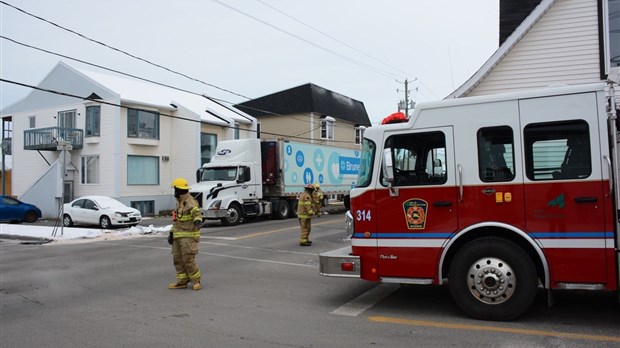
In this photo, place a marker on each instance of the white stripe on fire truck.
(438, 243)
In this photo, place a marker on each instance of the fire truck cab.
(494, 195)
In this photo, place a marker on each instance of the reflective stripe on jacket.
(187, 211)
(304, 206)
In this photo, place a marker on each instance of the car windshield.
(107, 202)
(219, 174)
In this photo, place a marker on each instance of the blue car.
(13, 210)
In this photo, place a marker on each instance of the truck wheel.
(233, 215)
(292, 212)
(282, 210)
(493, 279)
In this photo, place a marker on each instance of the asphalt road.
(262, 290)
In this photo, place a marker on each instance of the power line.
(65, 94)
(333, 38)
(367, 66)
(122, 51)
(216, 100)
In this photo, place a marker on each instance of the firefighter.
(305, 213)
(184, 237)
(317, 200)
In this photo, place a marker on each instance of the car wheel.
(30, 217)
(66, 220)
(105, 222)
(493, 279)
(233, 215)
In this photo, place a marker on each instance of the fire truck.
(495, 196)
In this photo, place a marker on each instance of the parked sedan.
(14, 210)
(99, 210)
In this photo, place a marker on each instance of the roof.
(503, 50)
(139, 92)
(308, 98)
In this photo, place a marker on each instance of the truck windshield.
(219, 174)
(366, 163)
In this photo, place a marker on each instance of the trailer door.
(419, 213)
(564, 188)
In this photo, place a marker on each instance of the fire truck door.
(419, 214)
(564, 193)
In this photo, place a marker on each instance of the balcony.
(46, 139)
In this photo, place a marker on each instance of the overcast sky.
(254, 48)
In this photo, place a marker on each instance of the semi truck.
(248, 178)
(496, 196)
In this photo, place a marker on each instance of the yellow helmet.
(316, 186)
(180, 183)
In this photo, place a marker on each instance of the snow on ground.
(75, 234)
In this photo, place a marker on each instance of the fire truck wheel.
(493, 279)
(233, 215)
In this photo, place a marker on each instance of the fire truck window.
(419, 158)
(496, 154)
(557, 150)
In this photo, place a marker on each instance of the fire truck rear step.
(580, 286)
(416, 281)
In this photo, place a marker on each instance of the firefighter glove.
(170, 238)
(198, 223)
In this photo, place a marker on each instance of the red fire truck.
(496, 196)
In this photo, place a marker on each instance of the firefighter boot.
(177, 286)
(196, 286)
(305, 243)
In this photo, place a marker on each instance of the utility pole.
(406, 103)
(64, 146)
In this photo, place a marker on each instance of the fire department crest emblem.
(415, 213)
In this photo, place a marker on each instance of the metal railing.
(46, 139)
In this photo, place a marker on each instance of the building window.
(236, 131)
(145, 207)
(89, 170)
(32, 121)
(327, 128)
(93, 116)
(142, 124)
(496, 154)
(359, 135)
(557, 150)
(142, 170)
(66, 122)
(208, 143)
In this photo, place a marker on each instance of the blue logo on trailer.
(349, 165)
(289, 150)
(321, 178)
(308, 176)
(294, 177)
(299, 159)
(319, 159)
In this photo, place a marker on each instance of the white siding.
(562, 48)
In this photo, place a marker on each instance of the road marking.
(214, 254)
(259, 234)
(258, 248)
(366, 300)
(494, 329)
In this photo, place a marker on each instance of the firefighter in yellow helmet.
(184, 237)
(317, 200)
(305, 213)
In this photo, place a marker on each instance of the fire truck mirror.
(388, 165)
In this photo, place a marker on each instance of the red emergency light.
(397, 117)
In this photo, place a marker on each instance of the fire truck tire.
(233, 215)
(282, 210)
(492, 279)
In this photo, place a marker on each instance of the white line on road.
(366, 300)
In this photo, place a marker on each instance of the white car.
(99, 210)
